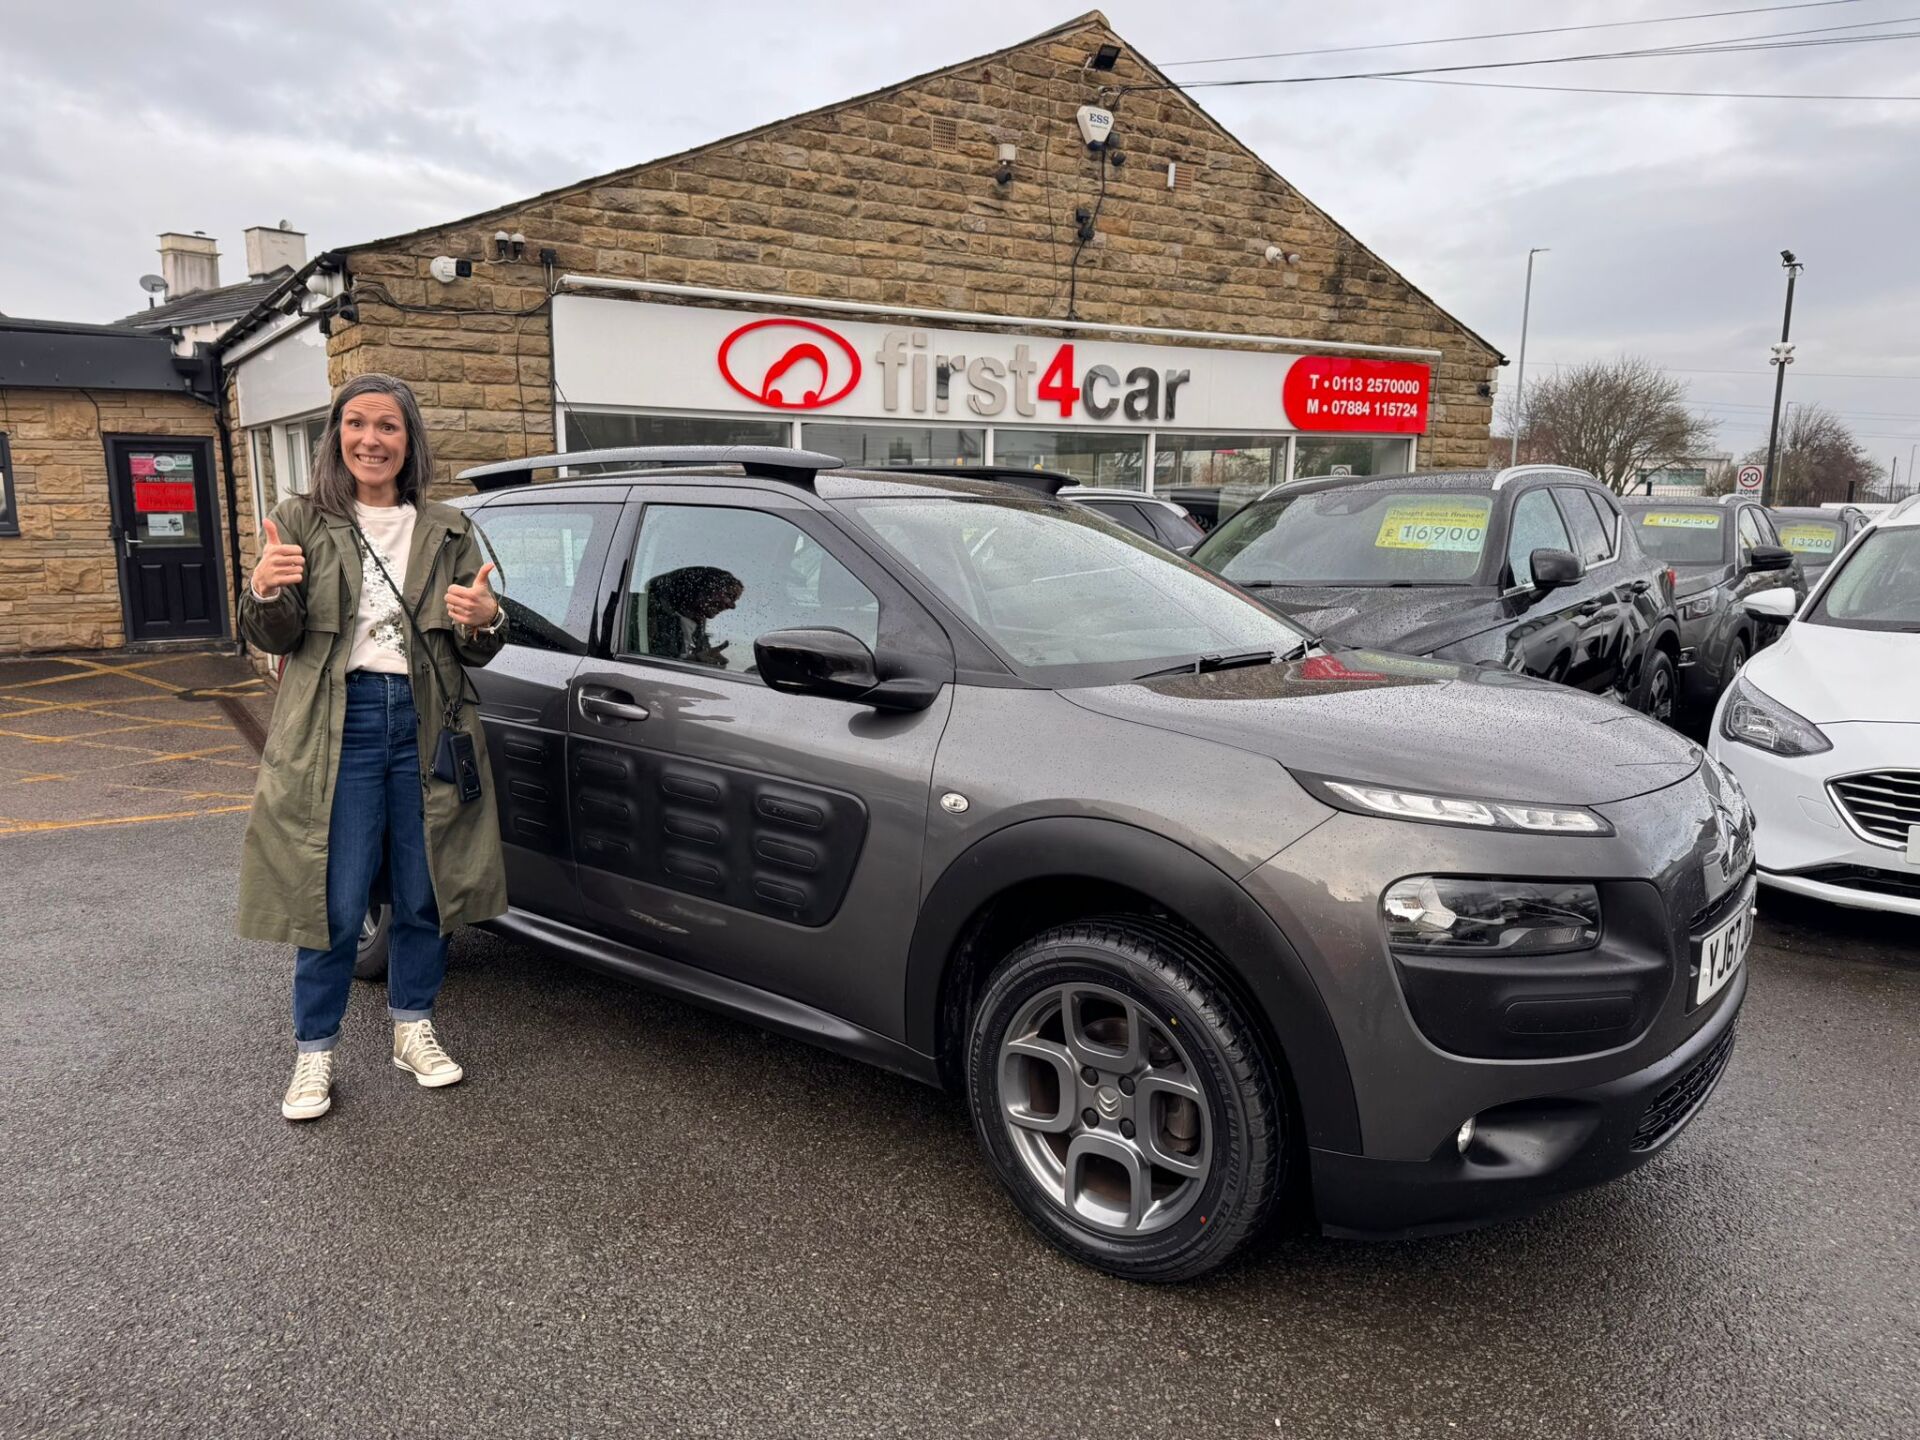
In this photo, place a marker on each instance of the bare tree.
(1818, 460)
(1612, 418)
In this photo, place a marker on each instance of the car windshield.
(1067, 595)
(1353, 537)
(1878, 587)
(1816, 540)
(1681, 536)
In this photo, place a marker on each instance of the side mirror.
(1553, 569)
(1776, 604)
(838, 666)
(1769, 557)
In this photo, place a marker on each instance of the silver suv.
(1207, 920)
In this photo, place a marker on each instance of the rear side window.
(1177, 530)
(1123, 512)
(1592, 536)
(547, 562)
(1536, 526)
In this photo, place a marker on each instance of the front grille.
(1864, 877)
(1672, 1106)
(1882, 805)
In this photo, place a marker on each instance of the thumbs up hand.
(473, 605)
(280, 563)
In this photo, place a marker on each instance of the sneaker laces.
(426, 1045)
(313, 1069)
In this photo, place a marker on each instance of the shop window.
(1092, 457)
(9, 509)
(302, 439)
(896, 444)
(709, 581)
(608, 430)
(1214, 475)
(1329, 455)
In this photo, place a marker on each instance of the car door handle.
(601, 705)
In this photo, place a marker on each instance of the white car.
(1822, 729)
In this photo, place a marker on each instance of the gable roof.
(1088, 20)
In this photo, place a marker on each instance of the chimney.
(270, 249)
(189, 263)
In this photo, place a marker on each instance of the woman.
(378, 596)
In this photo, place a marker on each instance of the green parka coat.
(283, 862)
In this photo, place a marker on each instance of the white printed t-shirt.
(380, 629)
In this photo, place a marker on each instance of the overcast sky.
(1665, 216)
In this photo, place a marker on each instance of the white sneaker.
(310, 1095)
(418, 1052)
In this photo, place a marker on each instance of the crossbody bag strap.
(452, 715)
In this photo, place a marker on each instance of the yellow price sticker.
(1680, 519)
(1452, 525)
(1809, 539)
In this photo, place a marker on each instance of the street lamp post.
(1520, 379)
(1782, 357)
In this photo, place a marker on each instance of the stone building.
(942, 269)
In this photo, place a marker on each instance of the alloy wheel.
(1104, 1109)
(1660, 694)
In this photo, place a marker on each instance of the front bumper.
(1528, 1153)
(1804, 844)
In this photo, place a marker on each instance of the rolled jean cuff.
(307, 1047)
(404, 1017)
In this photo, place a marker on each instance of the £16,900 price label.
(1434, 525)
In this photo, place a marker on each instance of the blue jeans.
(376, 810)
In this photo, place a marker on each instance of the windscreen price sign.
(1749, 479)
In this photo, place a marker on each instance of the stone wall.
(59, 579)
(890, 198)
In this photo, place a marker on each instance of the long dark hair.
(332, 490)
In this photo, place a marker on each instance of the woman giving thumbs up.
(375, 764)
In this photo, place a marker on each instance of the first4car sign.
(687, 358)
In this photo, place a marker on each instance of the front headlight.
(1755, 718)
(1698, 608)
(1458, 809)
(1490, 917)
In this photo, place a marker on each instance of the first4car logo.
(790, 364)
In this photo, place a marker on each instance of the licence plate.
(1723, 951)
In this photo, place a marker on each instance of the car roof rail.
(1901, 507)
(1516, 472)
(1046, 482)
(766, 462)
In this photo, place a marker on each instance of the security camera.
(446, 269)
(1786, 258)
(1277, 256)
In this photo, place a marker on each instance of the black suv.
(1528, 569)
(1721, 551)
(969, 782)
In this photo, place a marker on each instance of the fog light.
(1464, 1136)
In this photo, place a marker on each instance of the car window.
(1123, 512)
(1681, 536)
(1350, 536)
(546, 565)
(1592, 535)
(1066, 594)
(710, 580)
(1817, 540)
(1878, 587)
(1176, 530)
(1763, 522)
(1536, 526)
(1749, 529)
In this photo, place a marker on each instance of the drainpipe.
(220, 421)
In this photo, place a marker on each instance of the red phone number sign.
(1371, 397)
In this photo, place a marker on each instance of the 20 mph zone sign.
(1749, 479)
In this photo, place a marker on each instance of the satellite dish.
(153, 284)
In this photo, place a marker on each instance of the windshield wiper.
(1204, 664)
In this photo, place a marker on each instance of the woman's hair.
(332, 490)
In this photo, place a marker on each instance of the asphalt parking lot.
(636, 1218)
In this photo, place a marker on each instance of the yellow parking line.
(40, 826)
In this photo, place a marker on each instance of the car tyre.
(1107, 1039)
(371, 961)
(1662, 689)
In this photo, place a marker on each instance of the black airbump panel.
(731, 836)
(529, 783)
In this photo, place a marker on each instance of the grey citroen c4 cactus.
(1207, 920)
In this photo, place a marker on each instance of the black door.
(1546, 637)
(1598, 604)
(167, 528)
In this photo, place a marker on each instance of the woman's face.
(373, 439)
